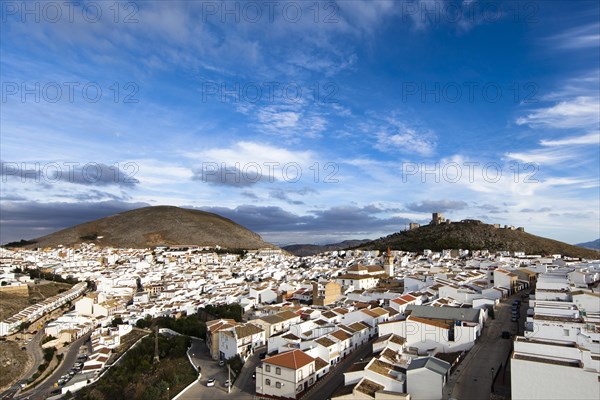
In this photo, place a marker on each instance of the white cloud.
(581, 112)
(578, 38)
(252, 152)
(548, 156)
(394, 135)
(590, 138)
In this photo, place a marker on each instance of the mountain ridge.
(592, 245)
(475, 235)
(154, 226)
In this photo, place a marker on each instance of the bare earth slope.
(155, 226)
(476, 237)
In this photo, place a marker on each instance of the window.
(278, 371)
(565, 332)
(311, 369)
(278, 385)
(311, 381)
(268, 368)
(268, 382)
(299, 389)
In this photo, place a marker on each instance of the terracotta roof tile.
(294, 359)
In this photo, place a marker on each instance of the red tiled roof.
(294, 359)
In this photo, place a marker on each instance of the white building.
(240, 340)
(285, 375)
(426, 378)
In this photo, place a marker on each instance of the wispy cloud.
(437, 205)
(581, 37)
(392, 134)
(590, 138)
(581, 112)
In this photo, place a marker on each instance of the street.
(325, 387)
(210, 369)
(472, 379)
(42, 391)
(244, 385)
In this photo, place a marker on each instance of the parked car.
(210, 382)
(513, 318)
(221, 363)
(227, 383)
(505, 335)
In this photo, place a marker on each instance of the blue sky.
(306, 122)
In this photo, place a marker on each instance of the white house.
(240, 340)
(285, 375)
(426, 378)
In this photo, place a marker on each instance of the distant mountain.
(475, 236)
(594, 245)
(155, 226)
(302, 250)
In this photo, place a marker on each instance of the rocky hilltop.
(475, 235)
(156, 226)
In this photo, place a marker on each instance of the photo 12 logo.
(253, 12)
(69, 171)
(70, 92)
(467, 12)
(469, 92)
(244, 174)
(453, 172)
(53, 12)
(255, 92)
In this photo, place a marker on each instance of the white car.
(210, 382)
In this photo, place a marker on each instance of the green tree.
(236, 363)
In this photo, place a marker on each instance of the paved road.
(35, 349)
(472, 380)
(245, 386)
(43, 390)
(324, 388)
(210, 369)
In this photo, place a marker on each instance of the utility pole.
(229, 376)
(156, 357)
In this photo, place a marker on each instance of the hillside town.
(418, 314)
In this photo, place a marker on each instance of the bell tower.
(388, 263)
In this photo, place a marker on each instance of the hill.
(593, 245)
(302, 250)
(475, 236)
(155, 226)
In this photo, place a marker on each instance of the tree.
(236, 363)
(144, 323)
(117, 321)
(24, 325)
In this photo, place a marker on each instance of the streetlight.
(168, 393)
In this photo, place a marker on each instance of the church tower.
(388, 263)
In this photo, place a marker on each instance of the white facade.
(274, 378)
(424, 384)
